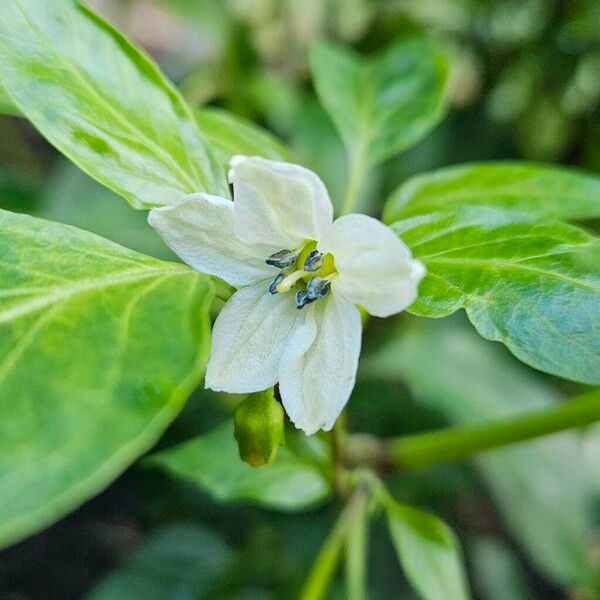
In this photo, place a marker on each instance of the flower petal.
(199, 229)
(248, 340)
(318, 369)
(278, 203)
(375, 268)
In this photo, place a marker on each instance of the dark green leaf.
(179, 562)
(296, 479)
(102, 102)
(546, 191)
(383, 104)
(99, 348)
(428, 552)
(534, 286)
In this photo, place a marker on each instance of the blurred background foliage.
(525, 83)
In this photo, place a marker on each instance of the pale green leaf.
(99, 348)
(428, 552)
(178, 562)
(497, 571)
(102, 102)
(230, 134)
(471, 381)
(547, 191)
(534, 286)
(383, 104)
(296, 479)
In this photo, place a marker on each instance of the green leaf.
(99, 348)
(534, 286)
(182, 561)
(428, 552)
(7, 106)
(546, 191)
(73, 198)
(102, 102)
(383, 104)
(296, 479)
(229, 134)
(471, 381)
(497, 571)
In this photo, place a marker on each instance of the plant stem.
(357, 543)
(461, 442)
(357, 169)
(317, 583)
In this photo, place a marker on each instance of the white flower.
(278, 244)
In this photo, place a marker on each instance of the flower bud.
(258, 430)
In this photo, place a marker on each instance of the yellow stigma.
(327, 269)
(286, 284)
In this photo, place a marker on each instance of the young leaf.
(546, 191)
(296, 479)
(383, 104)
(99, 348)
(468, 380)
(534, 286)
(229, 134)
(428, 552)
(102, 102)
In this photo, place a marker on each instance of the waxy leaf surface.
(546, 191)
(99, 349)
(532, 285)
(102, 102)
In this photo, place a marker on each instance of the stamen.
(273, 285)
(282, 259)
(286, 284)
(317, 287)
(314, 261)
(302, 299)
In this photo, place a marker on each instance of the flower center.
(306, 270)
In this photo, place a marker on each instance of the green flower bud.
(258, 430)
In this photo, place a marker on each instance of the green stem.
(317, 583)
(357, 170)
(357, 543)
(461, 442)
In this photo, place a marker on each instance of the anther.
(317, 287)
(273, 285)
(282, 259)
(302, 299)
(314, 261)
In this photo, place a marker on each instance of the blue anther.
(316, 288)
(282, 259)
(302, 299)
(314, 261)
(273, 285)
